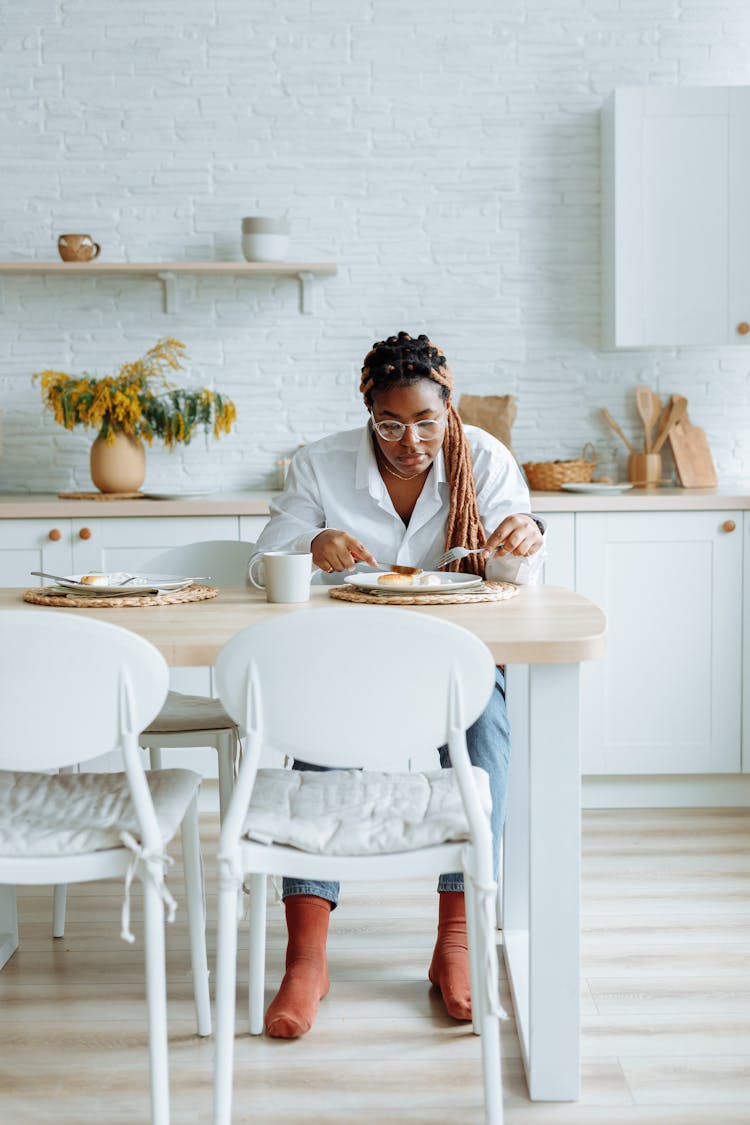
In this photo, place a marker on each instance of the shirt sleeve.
(297, 515)
(501, 492)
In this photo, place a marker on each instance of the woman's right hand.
(334, 550)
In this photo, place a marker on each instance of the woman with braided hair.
(401, 489)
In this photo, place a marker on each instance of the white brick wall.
(444, 155)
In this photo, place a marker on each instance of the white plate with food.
(596, 488)
(424, 582)
(97, 584)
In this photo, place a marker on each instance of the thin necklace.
(384, 464)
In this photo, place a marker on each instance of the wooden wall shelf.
(167, 272)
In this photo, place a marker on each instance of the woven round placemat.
(50, 595)
(487, 592)
(101, 496)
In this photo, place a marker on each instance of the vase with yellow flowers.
(134, 406)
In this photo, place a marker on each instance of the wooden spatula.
(673, 412)
(611, 422)
(648, 407)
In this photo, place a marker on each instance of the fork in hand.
(454, 554)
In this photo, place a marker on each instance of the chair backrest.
(355, 685)
(61, 687)
(223, 560)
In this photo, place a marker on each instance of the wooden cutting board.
(692, 457)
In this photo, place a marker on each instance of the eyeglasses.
(425, 430)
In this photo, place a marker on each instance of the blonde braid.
(403, 360)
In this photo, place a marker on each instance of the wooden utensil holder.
(644, 469)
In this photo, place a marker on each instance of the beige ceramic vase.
(119, 466)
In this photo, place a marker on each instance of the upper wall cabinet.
(676, 217)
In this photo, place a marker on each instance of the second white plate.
(450, 581)
(595, 487)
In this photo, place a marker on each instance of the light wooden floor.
(666, 1002)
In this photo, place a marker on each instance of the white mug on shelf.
(286, 575)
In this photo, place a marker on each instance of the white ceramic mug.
(286, 575)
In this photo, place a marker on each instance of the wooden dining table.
(542, 635)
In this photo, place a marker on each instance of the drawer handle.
(55, 534)
(743, 328)
(84, 533)
(728, 525)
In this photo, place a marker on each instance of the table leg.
(541, 875)
(8, 923)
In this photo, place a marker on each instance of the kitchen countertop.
(41, 505)
(47, 505)
(734, 494)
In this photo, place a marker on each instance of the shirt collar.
(366, 473)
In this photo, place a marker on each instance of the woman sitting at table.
(401, 489)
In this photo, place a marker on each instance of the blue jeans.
(488, 743)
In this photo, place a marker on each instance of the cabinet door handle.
(728, 525)
(84, 533)
(743, 328)
(55, 534)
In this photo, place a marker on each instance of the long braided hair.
(401, 361)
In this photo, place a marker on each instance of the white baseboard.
(666, 791)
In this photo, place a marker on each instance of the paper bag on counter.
(493, 413)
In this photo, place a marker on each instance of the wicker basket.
(547, 476)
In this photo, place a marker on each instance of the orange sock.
(449, 969)
(305, 983)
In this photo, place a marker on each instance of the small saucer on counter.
(595, 487)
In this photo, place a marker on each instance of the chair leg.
(155, 758)
(8, 923)
(156, 997)
(59, 904)
(485, 997)
(492, 1069)
(60, 894)
(226, 975)
(475, 976)
(191, 857)
(225, 747)
(256, 978)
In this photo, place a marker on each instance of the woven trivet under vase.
(487, 592)
(50, 595)
(101, 496)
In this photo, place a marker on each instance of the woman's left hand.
(516, 535)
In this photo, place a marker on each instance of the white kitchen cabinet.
(112, 543)
(675, 219)
(251, 527)
(559, 545)
(69, 546)
(35, 544)
(746, 649)
(668, 697)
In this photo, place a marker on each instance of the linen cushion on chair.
(351, 812)
(55, 814)
(191, 712)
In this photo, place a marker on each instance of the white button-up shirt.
(335, 483)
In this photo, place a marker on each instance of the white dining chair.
(189, 720)
(354, 686)
(90, 687)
